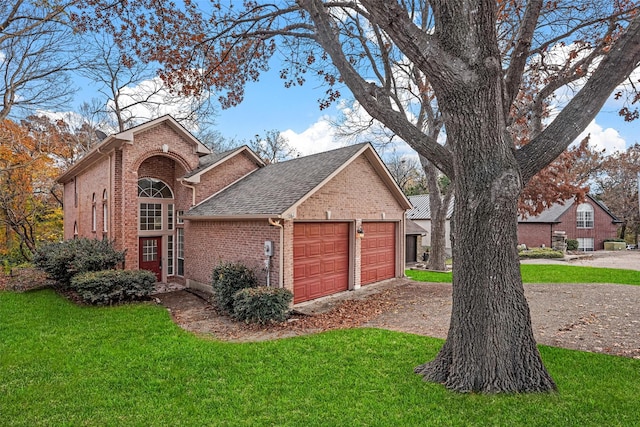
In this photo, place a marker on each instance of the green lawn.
(61, 364)
(549, 273)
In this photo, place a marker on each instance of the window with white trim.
(170, 255)
(585, 244)
(180, 251)
(150, 216)
(94, 213)
(584, 216)
(105, 212)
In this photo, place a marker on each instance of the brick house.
(316, 225)
(589, 222)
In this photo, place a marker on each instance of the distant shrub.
(113, 286)
(61, 261)
(227, 279)
(572, 245)
(615, 240)
(261, 304)
(541, 253)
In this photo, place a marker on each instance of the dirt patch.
(591, 317)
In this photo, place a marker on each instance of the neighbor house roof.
(277, 189)
(126, 137)
(554, 212)
(210, 161)
(422, 208)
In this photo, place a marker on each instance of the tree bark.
(490, 345)
(438, 206)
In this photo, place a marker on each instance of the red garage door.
(320, 259)
(378, 252)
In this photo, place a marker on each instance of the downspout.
(280, 248)
(193, 191)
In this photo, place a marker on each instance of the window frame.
(585, 216)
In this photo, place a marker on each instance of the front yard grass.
(549, 273)
(62, 364)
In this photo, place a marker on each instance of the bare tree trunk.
(438, 206)
(494, 351)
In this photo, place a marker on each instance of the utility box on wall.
(268, 248)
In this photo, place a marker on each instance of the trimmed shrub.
(61, 261)
(227, 279)
(262, 304)
(541, 253)
(113, 286)
(572, 245)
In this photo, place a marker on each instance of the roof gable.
(277, 189)
(211, 161)
(555, 212)
(117, 140)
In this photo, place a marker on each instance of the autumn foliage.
(30, 211)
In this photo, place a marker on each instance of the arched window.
(105, 211)
(94, 214)
(151, 187)
(584, 216)
(75, 229)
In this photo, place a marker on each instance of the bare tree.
(132, 93)
(36, 54)
(272, 147)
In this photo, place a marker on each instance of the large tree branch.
(419, 47)
(622, 59)
(520, 54)
(369, 95)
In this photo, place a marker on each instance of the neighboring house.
(316, 225)
(413, 237)
(420, 213)
(589, 222)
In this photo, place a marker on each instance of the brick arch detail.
(172, 155)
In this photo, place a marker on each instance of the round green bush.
(572, 245)
(227, 279)
(262, 304)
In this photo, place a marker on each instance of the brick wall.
(534, 235)
(78, 201)
(207, 243)
(355, 192)
(223, 175)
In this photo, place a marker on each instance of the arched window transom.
(151, 187)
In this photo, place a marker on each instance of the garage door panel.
(324, 267)
(378, 252)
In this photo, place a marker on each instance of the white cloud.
(317, 138)
(603, 139)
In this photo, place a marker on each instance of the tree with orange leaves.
(29, 208)
(478, 57)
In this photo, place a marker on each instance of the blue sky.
(295, 112)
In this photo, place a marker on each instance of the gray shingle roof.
(422, 207)
(555, 211)
(210, 159)
(273, 189)
(551, 214)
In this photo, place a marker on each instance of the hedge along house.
(316, 225)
